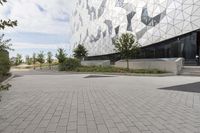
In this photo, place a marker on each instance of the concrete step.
(191, 68)
(191, 71)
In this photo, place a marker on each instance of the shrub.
(4, 63)
(18, 60)
(5, 87)
(41, 58)
(61, 66)
(69, 64)
(61, 55)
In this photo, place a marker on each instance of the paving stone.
(91, 124)
(102, 129)
(52, 127)
(18, 121)
(72, 126)
(23, 125)
(54, 102)
(44, 123)
(61, 129)
(92, 130)
(82, 129)
(110, 123)
(40, 130)
(113, 130)
(72, 131)
(134, 130)
(31, 128)
(54, 119)
(63, 122)
(9, 129)
(122, 127)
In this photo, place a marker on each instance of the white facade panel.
(96, 22)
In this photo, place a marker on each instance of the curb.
(126, 74)
(107, 73)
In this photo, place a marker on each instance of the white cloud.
(30, 48)
(21, 46)
(46, 17)
(31, 19)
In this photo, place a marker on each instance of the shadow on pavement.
(16, 76)
(97, 76)
(192, 87)
(21, 73)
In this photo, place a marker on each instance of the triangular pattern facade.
(96, 22)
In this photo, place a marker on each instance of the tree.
(80, 52)
(4, 56)
(4, 48)
(40, 59)
(61, 55)
(28, 60)
(49, 59)
(4, 63)
(18, 60)
(34, 60)
(6, 23)
(127, 46)
(5, 44)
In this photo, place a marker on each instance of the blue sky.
(43, 25)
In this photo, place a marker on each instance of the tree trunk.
(127, 61)
(49, 66)
(34, 66)
(40, 66)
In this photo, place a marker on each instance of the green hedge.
(4, 63)
(69, 64)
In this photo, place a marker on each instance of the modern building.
(164, 28)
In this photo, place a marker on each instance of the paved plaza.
(43, 102)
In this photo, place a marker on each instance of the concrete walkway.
(62, 103)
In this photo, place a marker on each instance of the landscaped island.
(74, 65)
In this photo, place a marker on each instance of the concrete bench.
(173, 65)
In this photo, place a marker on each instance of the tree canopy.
(61, 55)
(49, 57)
(80, 52)
(41, 58)
(6, 23)
(18, 59)
(5, 44)
(127, 46)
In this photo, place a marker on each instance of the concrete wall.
(96, 63)
(173, 65)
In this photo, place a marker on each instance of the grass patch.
(116, 70)
(4, 87)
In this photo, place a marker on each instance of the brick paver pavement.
(48, 103)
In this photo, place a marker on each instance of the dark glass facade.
(182, 46)
(186, 46)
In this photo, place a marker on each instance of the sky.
(43, 25)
